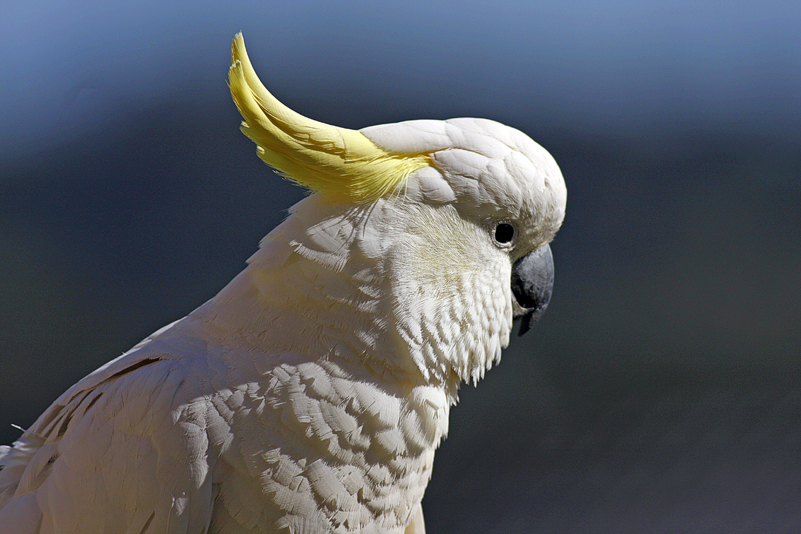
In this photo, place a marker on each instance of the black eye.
(504, 233)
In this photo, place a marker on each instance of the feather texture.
(339, 161)
(310, 394)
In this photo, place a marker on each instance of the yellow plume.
(339, 161)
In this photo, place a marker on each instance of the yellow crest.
(338, 161)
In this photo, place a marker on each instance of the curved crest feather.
(321, 157)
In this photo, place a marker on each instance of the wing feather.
(125, 450)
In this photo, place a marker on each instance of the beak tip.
(525, 326)
(532, 284)
(531, 316)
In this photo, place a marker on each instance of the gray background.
(662, 390)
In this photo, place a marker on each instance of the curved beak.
(532, 284)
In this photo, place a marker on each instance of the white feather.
(311, 393)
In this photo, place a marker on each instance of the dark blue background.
(662, 390)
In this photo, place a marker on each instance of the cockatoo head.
(441, 226)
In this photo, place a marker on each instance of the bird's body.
(310, 394)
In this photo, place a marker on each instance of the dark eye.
(504, 233)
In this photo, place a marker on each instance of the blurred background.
(662, 390)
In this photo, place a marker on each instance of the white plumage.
(310, 394)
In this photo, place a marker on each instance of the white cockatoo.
(310, 394)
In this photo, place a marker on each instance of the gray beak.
(532, 284)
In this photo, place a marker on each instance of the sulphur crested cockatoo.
(310, 394)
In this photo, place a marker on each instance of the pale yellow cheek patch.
(444, 249)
